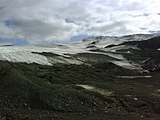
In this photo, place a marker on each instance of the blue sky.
(49, 21)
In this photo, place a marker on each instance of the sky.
(52, 21)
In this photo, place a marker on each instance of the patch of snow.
(24, 54)
(126, 64)
(135, 99)
(117, 56)
(87, 87)
(158, 90)
(21, 55)
(132, 77)
(121, 47)
(97, 90)
(64, 60)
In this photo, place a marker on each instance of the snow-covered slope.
(104, 41)
(25, 53)
(28, 54)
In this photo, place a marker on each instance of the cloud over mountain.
(48, 21)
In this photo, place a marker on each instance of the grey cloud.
(38, 30)
(57, 20)
(119, 27)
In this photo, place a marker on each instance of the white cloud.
(59, 20)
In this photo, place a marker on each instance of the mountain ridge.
(25, 53)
